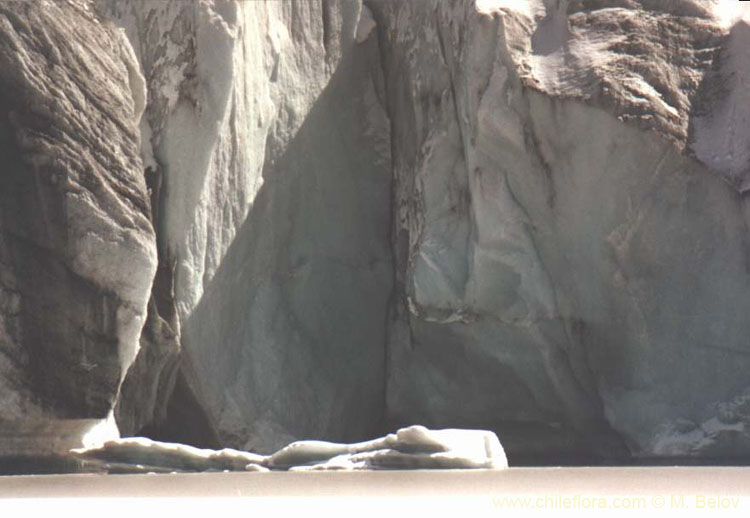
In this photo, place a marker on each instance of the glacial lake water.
(580, 491)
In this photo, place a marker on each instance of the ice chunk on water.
(142, 451)
(415, 447)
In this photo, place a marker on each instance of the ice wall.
(271, 144)
(569, 273)
(77, 248)
(522, 216)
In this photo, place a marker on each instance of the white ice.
(414, 447)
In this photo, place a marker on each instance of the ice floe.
(415, 447)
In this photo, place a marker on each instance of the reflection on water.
(58, 465)
(47, 465)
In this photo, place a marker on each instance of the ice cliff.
(266, 133)
(241, 224)
(77, 248)
(571, 257)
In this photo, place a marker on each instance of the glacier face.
(77, 248)
(330, 218)
(554, 230)
(267, 131)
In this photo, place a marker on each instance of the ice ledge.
(414, 447)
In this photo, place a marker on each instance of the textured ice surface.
(570, 235)
(271, 142)
(414, 447)
(557, 185)
(77, 247)
(523, 216)
(148, 454)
